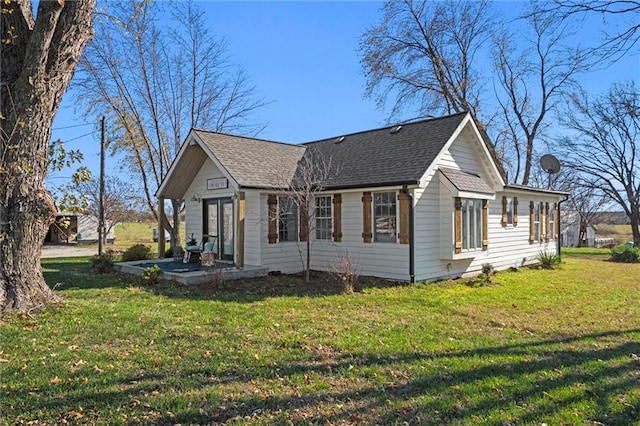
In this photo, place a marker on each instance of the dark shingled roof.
(385, 156)
(394, 155)
(254, 163)
(466, 182)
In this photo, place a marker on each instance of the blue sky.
(303, 58)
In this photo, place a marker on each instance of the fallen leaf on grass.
(54, 380)
(74, 415)
(97, 370)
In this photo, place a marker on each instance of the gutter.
(560, 227)
(412, 266)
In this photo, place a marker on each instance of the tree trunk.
(582, 234)
(37, 66)
(635, 226)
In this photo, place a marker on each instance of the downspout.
(560, 227)
(412, 267)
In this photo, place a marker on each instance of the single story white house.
(419, 201)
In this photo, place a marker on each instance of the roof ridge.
(402, 123)
(244, 137)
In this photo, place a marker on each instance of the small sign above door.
(217, 183)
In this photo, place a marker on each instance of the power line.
(78, 137)
(75, 125)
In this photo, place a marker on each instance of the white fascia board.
(508, 189)
(483, 145)
(174, 164)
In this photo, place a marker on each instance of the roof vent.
(339, 140)
(395, 130)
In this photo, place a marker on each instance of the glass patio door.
(218, 227)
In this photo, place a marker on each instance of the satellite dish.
(551, 165)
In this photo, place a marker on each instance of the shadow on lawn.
(538, 380)
(76, 273)
(256, 289)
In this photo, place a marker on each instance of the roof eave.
(373, 185)
(523, 188)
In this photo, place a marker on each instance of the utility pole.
(101, 204)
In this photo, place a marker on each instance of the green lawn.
(537, 346)
(621, 233)
(130, 233)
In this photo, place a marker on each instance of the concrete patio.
(182, 276)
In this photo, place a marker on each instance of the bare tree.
(119, 200)
(605, 150)
(424, 52)
(38, 56)
(584, 201)
(619, 39)
(312, 174)
(533, 79)
(155, 84)
(587, 202)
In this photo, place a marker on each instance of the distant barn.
(571, 231)
(76, 228)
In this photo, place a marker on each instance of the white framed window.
(287, 219)
(324, 225)
(552, 221)
(509, 210)
(471, 224)
(536, 222)
(384, 217)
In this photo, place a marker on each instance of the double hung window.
(384, 216)
(323, 218)
(552, 221)
(287, 219)
(509, 210)
(471, 224)
(536, 222)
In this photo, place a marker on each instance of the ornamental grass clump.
(345, 271)
(548, 260)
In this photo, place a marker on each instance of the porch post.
(240, 241)
(160, 227)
